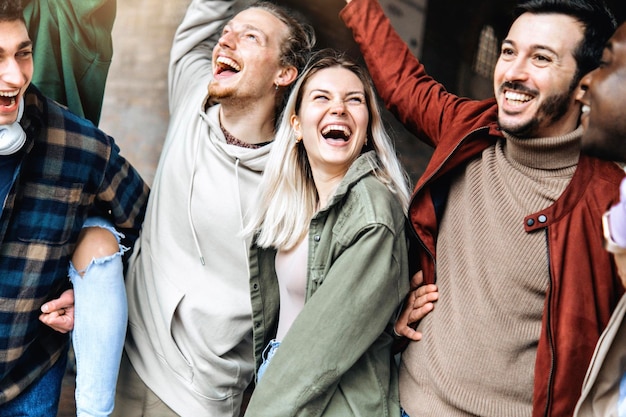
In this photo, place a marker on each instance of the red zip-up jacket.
(584, 287)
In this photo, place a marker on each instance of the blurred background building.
(458, 41)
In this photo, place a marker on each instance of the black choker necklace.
(231, 140)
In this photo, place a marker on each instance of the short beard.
(552, 110)
(217, 93)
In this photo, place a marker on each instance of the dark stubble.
(551, 110)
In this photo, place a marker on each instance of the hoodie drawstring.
(193, 174)
(237, 190)
(241, 215)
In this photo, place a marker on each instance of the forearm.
(416, 99)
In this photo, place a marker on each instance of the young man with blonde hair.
(189, 343)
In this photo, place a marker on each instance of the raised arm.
(73, 50)
(421, 103)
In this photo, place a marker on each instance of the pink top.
(291, 269)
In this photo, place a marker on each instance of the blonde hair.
(288, 197)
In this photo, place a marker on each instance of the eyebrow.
(349, 93)
(545, 48)
(22, 45)
(247, 26)
(533, 47)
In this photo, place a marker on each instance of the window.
(487, 54)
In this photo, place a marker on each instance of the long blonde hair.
(288, 196)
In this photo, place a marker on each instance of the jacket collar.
(361, 167)
(580, 182)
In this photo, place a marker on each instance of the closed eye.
(320, 97)
(356, 99)
(27, 53)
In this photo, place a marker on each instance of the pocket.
(46, 211)
(170, 352)
(154, 319)
(210, 376)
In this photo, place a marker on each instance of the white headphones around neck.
(12, 137)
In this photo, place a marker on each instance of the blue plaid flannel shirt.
(69, 169)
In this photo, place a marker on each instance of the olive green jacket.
(336, 358)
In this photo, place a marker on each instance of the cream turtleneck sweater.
(478, 352)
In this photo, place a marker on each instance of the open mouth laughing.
(225, 65)
(8, 98)
(516, 95)
(516, 98)
(336, 133)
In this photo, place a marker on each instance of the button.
(316, 238)
(255, 286)
(530, 222)
(257, 324)
(542, 218)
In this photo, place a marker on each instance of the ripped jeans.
(268, 354)
(100, 319)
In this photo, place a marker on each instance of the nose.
(11, 73)
(583, 85)
(338, 107)
(516, 70)
(227, 40)
(585, 82)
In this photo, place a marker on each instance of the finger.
(402, 326)
(62, 323)
(417, 279)
(65, 300)
(405, 330)
(61, 320)
(419, 303)
(55, 321)
(425, 290)
(423, 296)
(419, 313)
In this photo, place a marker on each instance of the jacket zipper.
(450, 155)
(549, 329)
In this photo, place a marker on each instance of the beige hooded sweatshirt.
(190, 328)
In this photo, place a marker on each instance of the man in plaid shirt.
(55, 170)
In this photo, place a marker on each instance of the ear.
(286, 76)
(295, 124)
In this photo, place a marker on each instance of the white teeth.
(346, 131)
(513, 96)
(228, 62)
(585, 108)
(11, 95)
